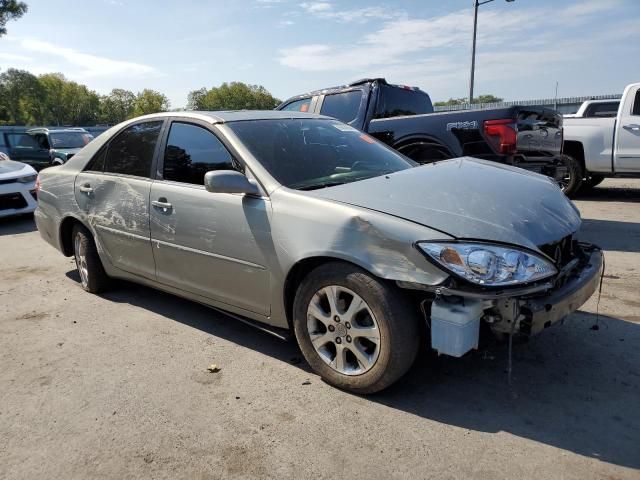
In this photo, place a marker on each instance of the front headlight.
(29, 179)
(489, 265)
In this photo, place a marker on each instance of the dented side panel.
(378, 243)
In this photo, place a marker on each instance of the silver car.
(300, 223)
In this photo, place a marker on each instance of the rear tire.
(93, 278)
(356, 331)
(573, 180)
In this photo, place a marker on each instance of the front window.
(69, 139)
(298, 106)
(193, 151)
(343, 106)
(307, 154)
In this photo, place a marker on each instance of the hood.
(468, 198)
(66, 151)
(10, 169)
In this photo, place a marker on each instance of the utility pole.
(476, 6)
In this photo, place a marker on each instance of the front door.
(627, 157)
(210, 244)
(113, 191)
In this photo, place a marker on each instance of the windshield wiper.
(315, 186)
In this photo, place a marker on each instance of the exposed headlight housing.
(489, 265)
(28, 179)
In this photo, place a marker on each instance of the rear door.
(210, 244)
(113, 192)
(627, 152)
(25, 148)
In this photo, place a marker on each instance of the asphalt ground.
(117, 386)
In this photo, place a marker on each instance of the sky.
(589, 47)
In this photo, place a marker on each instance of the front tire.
(92, 275)
(356, 331)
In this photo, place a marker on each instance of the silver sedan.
(300, 223)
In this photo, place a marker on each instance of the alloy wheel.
(81, 259)
(343, 330)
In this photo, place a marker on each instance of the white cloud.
(326, 10)
(398, 39)
(12, 57)
(88, 65)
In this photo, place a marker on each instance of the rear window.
(396, 101)
(609, 109)
(342, 106)
(131, 151)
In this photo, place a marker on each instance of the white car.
(606, 145)
(17, 187)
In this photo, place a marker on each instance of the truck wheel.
(92, 275)
(592, 181)
(572, 181)
(357, 332)
(425, 152)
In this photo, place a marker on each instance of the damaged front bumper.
(542, 311)
(523, 310)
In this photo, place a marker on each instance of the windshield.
(306, 154)
(69, 139)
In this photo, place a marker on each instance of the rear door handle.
(86, 188)
(162, 204)
(634, 126)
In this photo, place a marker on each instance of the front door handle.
(86, 188)
(162, 204)
(634, 126)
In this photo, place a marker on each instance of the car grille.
(12, 200)
(563, 251)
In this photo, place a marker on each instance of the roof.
(235, 115)
(55, 129)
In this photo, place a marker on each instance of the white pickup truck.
(602, 146)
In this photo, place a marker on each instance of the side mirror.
(229, 181)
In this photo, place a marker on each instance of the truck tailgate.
(539, 131)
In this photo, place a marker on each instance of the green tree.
(463, 101)
(117, 106)
(233, 96)
(21, 96)
(195, 99)
(10, 10)
(488, 99)
(65, 102)
(150, 101)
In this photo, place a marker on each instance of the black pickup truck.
(403, 117)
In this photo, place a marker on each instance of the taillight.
(503, 135)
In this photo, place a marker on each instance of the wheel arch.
(411, 146)
(575, 149)
(299, 271)
(65, 234)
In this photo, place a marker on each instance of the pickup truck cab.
(596, 108)
(403, 117)
(607, 146)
